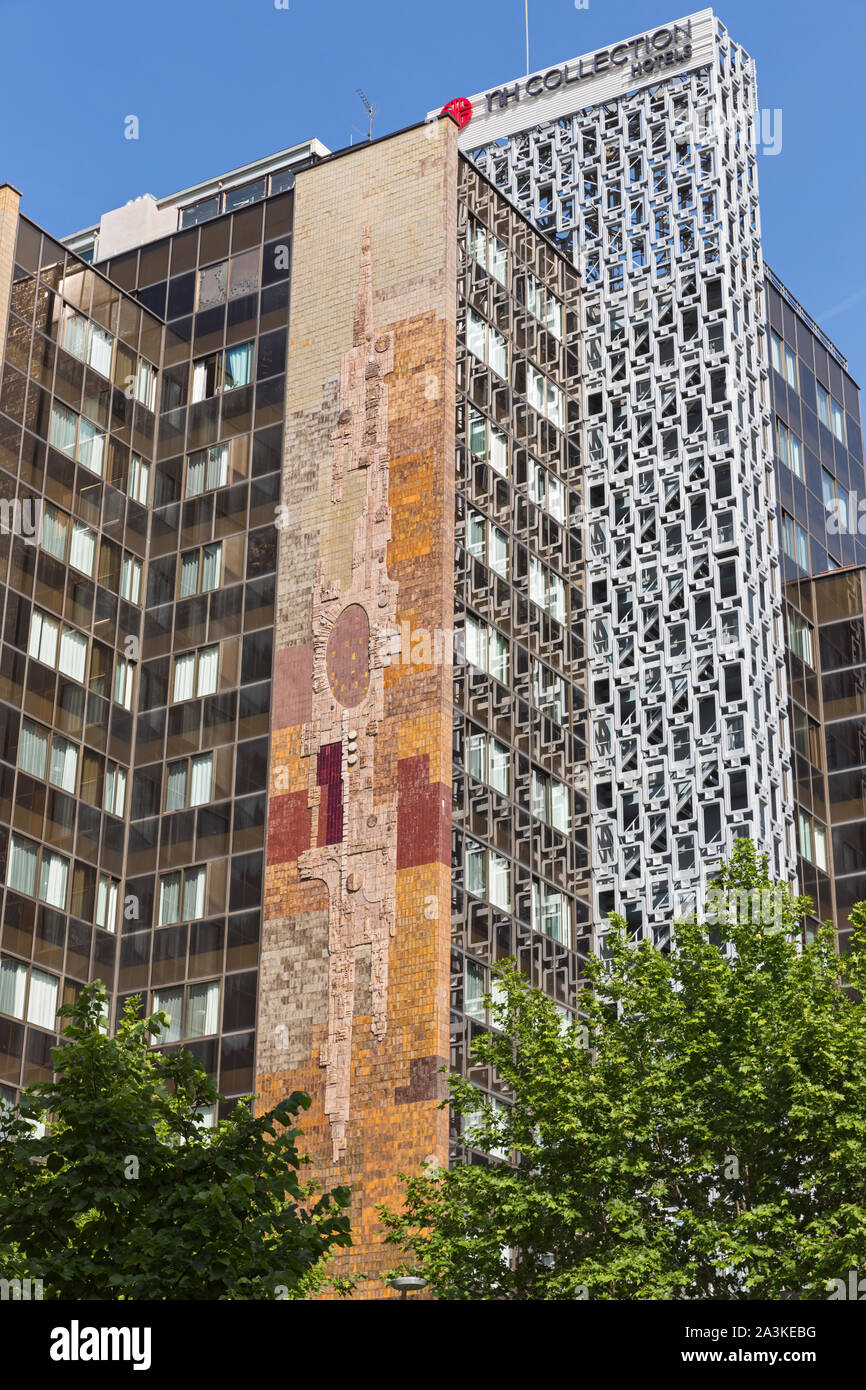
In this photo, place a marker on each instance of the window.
(486, 542)
(813, 840)
(38, 873)
(484, 342)
(75, 543)
(546, 491)
(145, 384)
(473, 1120)
(222, 371)
(86, 341)
(790, 450)
(487, 875)
(46, 635)
(544, 396)
(107, 897)
(488, 442)
(130, 579)
(550, 912)
(182, 896)
(549, 692)
(795, 541)
(124, 672)
(200, 570)
(823, 404)
(207, 469)
(544, 305)
(193, 1011)
(486, 648)
(189, 782)
(77, 437)
(488, 251)
(138, 481)
(195, 674)
(114, 789)
(488, 760)
(800, 636)
(838, 415)
(547, 589)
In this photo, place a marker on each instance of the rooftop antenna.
(369, 109)
(526, 22)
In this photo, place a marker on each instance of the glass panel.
(184, 677)
(194, 894)
(13, 987)
(201, 770)
(42, 1003)
(171, 1001)
(32, 749)
(202, 1010)
(64, 764)
(53, 874)
(169, 898)
(208, 662)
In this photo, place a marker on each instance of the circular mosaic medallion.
(347, 659)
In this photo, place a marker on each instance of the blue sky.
(217, 83)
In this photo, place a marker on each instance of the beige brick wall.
(10, 199)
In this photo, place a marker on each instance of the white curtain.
(477, 433)
(477, 756)
(171, 1000)
(43, 638)
(500, 763)
(500, 882)
(21, 870)
(73, 654)
(131, 579)
(175, 791)
(202, 1010)
(208, 662)
(99, 350)
(475, 535)
(74, 332)
(106, 902)
(63, 429)
(193, 894)
(32, 748)
(82, 551)
(201, 770)
(114, 794)
(498, 665)
(139, 479)
(184, 675)
(476, 335)
(53, 874)
(498, 456)
(498, 357)
(123, 672)
(195, 473)
(199, 380)
(13, 986)
(169, 899)
(498, 551)
(556, 498)
(64, 764)
(54, 525)
(556, 598)
(473, 868)
(218, 466)
(91, 446)
(559, 809)
(147, 385)
(211, 557)
(188, 573)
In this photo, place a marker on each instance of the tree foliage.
(702, 1135)
(128, 1196)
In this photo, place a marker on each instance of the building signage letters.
(649, 54)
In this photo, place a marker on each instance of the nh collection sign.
(645, 56)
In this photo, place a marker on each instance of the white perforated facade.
(649, 180)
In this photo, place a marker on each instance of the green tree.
(702, 1135)
(128, 1196)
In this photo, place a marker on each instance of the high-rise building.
(394, 544)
